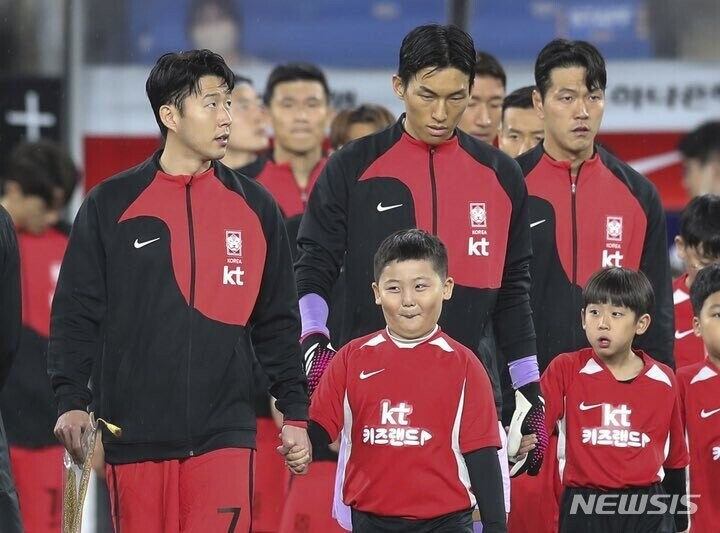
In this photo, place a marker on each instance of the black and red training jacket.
(608, 215)
(179, 279)
(469, 194)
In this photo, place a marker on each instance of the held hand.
(527, 444)
(69, 429)
(296, 448)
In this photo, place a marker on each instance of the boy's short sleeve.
(552, 383)
(677, 454)
(479, 422)
(327, 402)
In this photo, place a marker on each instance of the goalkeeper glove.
(528, 418)
(317, 354)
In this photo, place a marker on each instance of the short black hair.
(702, 143)
(439, 47)
(562, 53)
(487, 64)
(707, 282)
(242, 80)
(41, 167)
(295, 72)
(176, 75)
(408, 244)
(621, 287)
(520, 98)
(700, 225)
(376, 115)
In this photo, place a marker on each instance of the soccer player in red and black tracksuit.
(698, 245)
(424, 173)
(297, 98)
(616, 445)
(10, 320)
(700, 393)
(181, 269)
(40, 178)
(588, 210)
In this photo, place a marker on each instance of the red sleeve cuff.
(296, 423)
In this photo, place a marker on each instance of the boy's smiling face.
(411, 294)
(707, 325)
(610, 329)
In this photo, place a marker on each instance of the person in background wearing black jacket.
(425, 173)
(181, 269)
(39, 179)
(588, 210)
(10, 320)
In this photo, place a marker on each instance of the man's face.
(484, 112)
(32, 213)
(411, 294)
(521, 130)
(299, 113)
(203, 127)
(434, 102)
(249, 132)
(702, 178)
(571, 113)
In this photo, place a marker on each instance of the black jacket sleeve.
(323, 231)
(486, 480)
(275, 322)
(10, 301)
(655, 263)
(512, 317)
(78, 310)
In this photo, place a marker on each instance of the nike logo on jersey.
(705, 414)
(682, 334)
(537, 223)
(363, 375)
(139, 244)
(584, 407)
(381, 208)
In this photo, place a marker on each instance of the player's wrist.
(302, 424)
(523, 371)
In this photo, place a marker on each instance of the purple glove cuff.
(313, 315)
(524, 371)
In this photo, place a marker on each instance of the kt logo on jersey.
(394, 428)
(615, 429)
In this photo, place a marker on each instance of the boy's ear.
(582, 317)
(696, 327)
(642, 324)
(680, 245)
(448, 288)
(376, 290)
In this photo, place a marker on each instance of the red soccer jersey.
(689, 348)
(408, 411)
(700, 392)
(613, 435)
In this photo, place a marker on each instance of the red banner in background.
(105, 156)
(653, 154)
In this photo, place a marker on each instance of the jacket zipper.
(191, 229)
(573, 193)
(434, 191)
